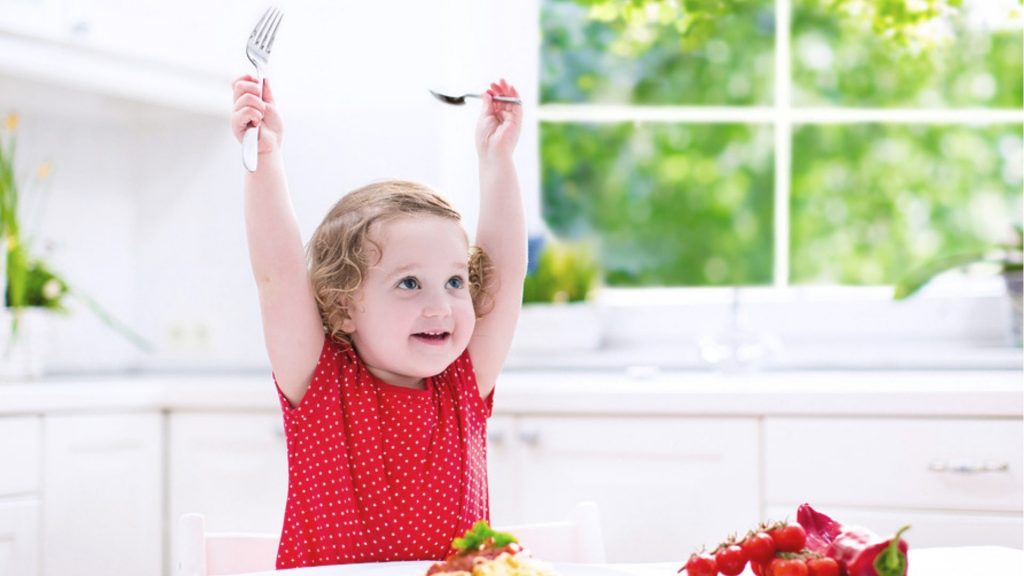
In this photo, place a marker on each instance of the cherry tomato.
(759, 548)
(787, 567)
(789, 538)
(731, 560)
(822, 567)
(701, 565)
(758, 568)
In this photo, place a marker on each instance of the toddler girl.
(386, 349)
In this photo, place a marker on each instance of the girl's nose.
(437, 305)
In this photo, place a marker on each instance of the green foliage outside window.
(670, 204)
(692, 205)
(848, 61)
(872, 201)
(660, 52)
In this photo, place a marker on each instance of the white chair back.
(205, 553)
(576, 539)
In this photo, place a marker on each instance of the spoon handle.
(509, 99)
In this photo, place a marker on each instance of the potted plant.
(558, 313)
(32, 290)
(1007, 258)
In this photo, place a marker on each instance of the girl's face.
(413, 314)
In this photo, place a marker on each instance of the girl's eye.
(409, 283)
(455, 282)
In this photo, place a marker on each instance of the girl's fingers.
(268, 94)
(246, 117)
(244, 120)
(245, 87)
(249, 100)
(245, 80)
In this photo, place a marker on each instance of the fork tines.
(266, 29)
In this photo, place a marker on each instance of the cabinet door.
(927, 529)
(102, 488)
(896, 463)
(19, 537)
(664, 486)
(21, 439)
(230, 467)
(31, 17)
(190, 34)
(503, 470)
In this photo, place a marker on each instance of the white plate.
(420, 568)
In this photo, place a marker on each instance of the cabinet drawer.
(102, 494)
(19, 537)
(231, 467)
(893, 463)
(20, 446)
(662, 485)
(929, 529)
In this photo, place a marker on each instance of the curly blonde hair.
(340, 250)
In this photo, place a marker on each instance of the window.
(780, 143)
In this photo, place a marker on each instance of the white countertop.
(989, 393)
(975, 561)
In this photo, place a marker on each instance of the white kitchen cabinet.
(19, 537)
(231, 467)
(102, 494)
(20, 449)
(663, 485)
(175, 54)
(956, 481)
(21, 440)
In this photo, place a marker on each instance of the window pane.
(872, 201)
(670, 205)
(657, 52)
(971, 58)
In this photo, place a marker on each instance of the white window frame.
(939, 318)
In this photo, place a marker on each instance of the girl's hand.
(497, 131)
(250, 110)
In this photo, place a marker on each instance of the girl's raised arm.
(501, 232)
(292, 330)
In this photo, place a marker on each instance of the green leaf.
(892, 561)
(916, 280)
(481, 535)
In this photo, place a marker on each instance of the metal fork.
(257, 49)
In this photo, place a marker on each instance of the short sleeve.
(324, 390)
(464, 374)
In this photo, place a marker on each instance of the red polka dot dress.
(378, 472)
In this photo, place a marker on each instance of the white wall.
(145, 210)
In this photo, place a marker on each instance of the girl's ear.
(347, 325)
(345, 304)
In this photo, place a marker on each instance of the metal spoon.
(460, 100)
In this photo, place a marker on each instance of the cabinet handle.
(495, 438)
(964, 467)
(530, 437)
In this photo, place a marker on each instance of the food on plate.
(483, 551)
(859, 550)
(815, 545)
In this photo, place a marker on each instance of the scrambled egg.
(508, 565)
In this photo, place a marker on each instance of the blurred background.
(744, 169)
(754, 225)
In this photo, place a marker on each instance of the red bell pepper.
(859, 551)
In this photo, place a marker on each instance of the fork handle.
(250, 141)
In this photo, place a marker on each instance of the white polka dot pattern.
(378, 472)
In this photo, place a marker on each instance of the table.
(971, 561)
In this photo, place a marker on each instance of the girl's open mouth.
(432, 337)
